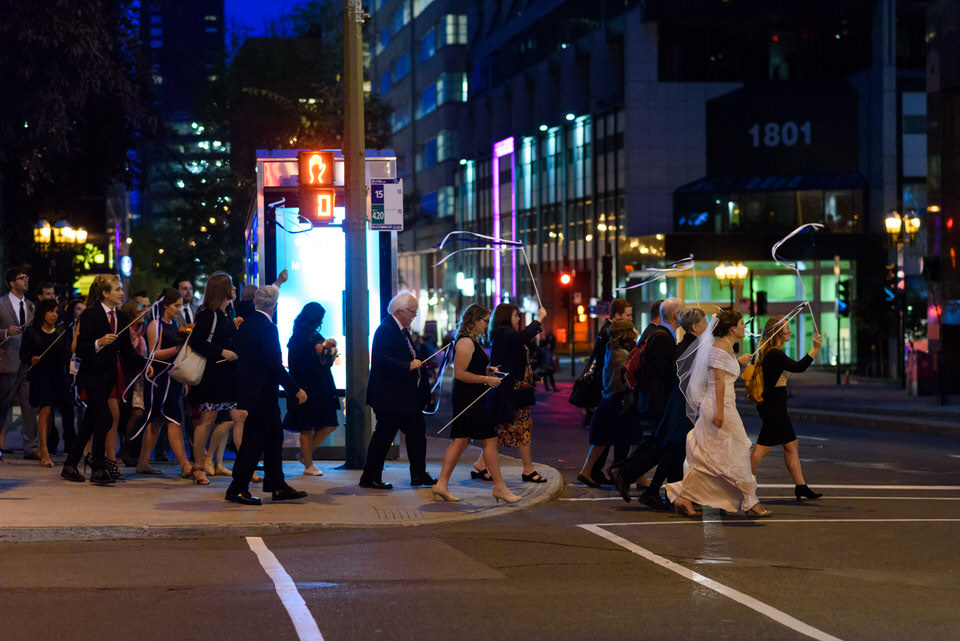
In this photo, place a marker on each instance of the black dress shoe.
(243, 498)
(426, 479)
(287, 494)
(70, 473)
(375, 485)
(653, 500)
(620, 483)
(101, 477)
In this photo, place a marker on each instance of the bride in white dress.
(718, 450)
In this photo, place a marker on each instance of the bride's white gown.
(719, 472)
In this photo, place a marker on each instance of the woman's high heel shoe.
(684, 507)
(758, 511)
(508, 497)
(804, 492)
(199, 475)
(114, 470)
(443, 494)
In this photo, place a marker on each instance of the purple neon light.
(502, 148)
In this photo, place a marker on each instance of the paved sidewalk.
(36, 505)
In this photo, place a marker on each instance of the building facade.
(615, 137)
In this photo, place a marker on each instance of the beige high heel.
(444, 494)
(509, 497)
(758, 511)
(685, 507)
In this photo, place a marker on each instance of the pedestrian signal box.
(315, 169)
(316, 205)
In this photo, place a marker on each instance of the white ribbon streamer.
(796, 266)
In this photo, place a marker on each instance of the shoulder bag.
(188, 366)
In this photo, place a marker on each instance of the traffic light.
(843, 297)
(316, 205)
(890, 282)
(316, 186)
(566, 278)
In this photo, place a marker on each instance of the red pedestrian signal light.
(565, 278)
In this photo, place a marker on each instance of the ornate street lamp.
(731, 274)
(902, 229)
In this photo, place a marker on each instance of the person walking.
(162, 393)
(311, 356)
(100, 377)
(665, 449)
(510, 403)
(16, 315)
(212, 338)
(718, 450)
(259, 372)
(45, 351)
(472, 375)
(397, 391)
(607, 425)
(777, 429)
(547, 368)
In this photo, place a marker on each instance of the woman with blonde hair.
(471, 378)
(777, 429)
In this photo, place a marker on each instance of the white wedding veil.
(692, 370)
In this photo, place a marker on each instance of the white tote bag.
(188, 366)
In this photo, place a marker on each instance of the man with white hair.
(259, 371)
(397, 393)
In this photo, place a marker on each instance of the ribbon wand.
(125, 327)
(439, 351)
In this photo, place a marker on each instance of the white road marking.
(303, 621)
(744, 599)
(954, 455)
(781, 486)
(737, 521)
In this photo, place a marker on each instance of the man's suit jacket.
(392, 386)
(260, 365)
(98, 369)
(182, 319)
(10, 351)
(658, 373)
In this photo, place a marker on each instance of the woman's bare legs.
(593, 455)
(491, 460)
(450, 459)
(44, 423)
(175, 436)
(527, 457)
(759, 451)
(310, 441)
(111, 445)
(200, 431)
(218, 445)
(791, 456)
(150, 435)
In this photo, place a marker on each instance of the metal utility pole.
(357, 296)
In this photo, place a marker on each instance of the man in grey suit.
(16, 314)
(188, 313)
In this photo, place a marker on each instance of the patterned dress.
(517, 432)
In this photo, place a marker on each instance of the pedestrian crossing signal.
(316, 205)
(843, 298)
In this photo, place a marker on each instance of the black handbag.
(587, 389)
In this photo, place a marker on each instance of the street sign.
(386, 204)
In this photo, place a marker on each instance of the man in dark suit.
(259, 371)
(655, 380)
(395, 391)
(16, 314)
(100, 377)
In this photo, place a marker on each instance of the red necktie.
(113, 322)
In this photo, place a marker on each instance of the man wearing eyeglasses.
(16, 314)
(395, 391)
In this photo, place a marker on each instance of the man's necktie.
(23, 316)
(413, 352)
(113, 322)
(186, 315)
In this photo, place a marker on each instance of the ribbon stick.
(796, 266)
(533, 280)
(682, 265)
(500, 375)
(127, 326)
(47, 350)
(442, 349)
(776, 328)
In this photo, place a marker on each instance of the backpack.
(635, 362)
(753, 379)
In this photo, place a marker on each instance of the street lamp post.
(731, 274)
(57, 238)
(902, 229)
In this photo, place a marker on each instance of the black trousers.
(262, 436)
(641, 461)
(96, 423)
(388, 424)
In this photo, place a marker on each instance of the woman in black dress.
(212, 338)
(471, 378)
(310, 357)
(45, 351)
(162, 393)
(777, 428)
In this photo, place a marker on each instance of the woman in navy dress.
(777, 429)
(309, 357)
(162, 394)
(45, 351)
(473, 420)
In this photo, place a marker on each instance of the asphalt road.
(876, 558)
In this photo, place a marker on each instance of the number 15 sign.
(386, 204)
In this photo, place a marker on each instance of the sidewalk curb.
(533, 496)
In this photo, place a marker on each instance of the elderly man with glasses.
(397, 392)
